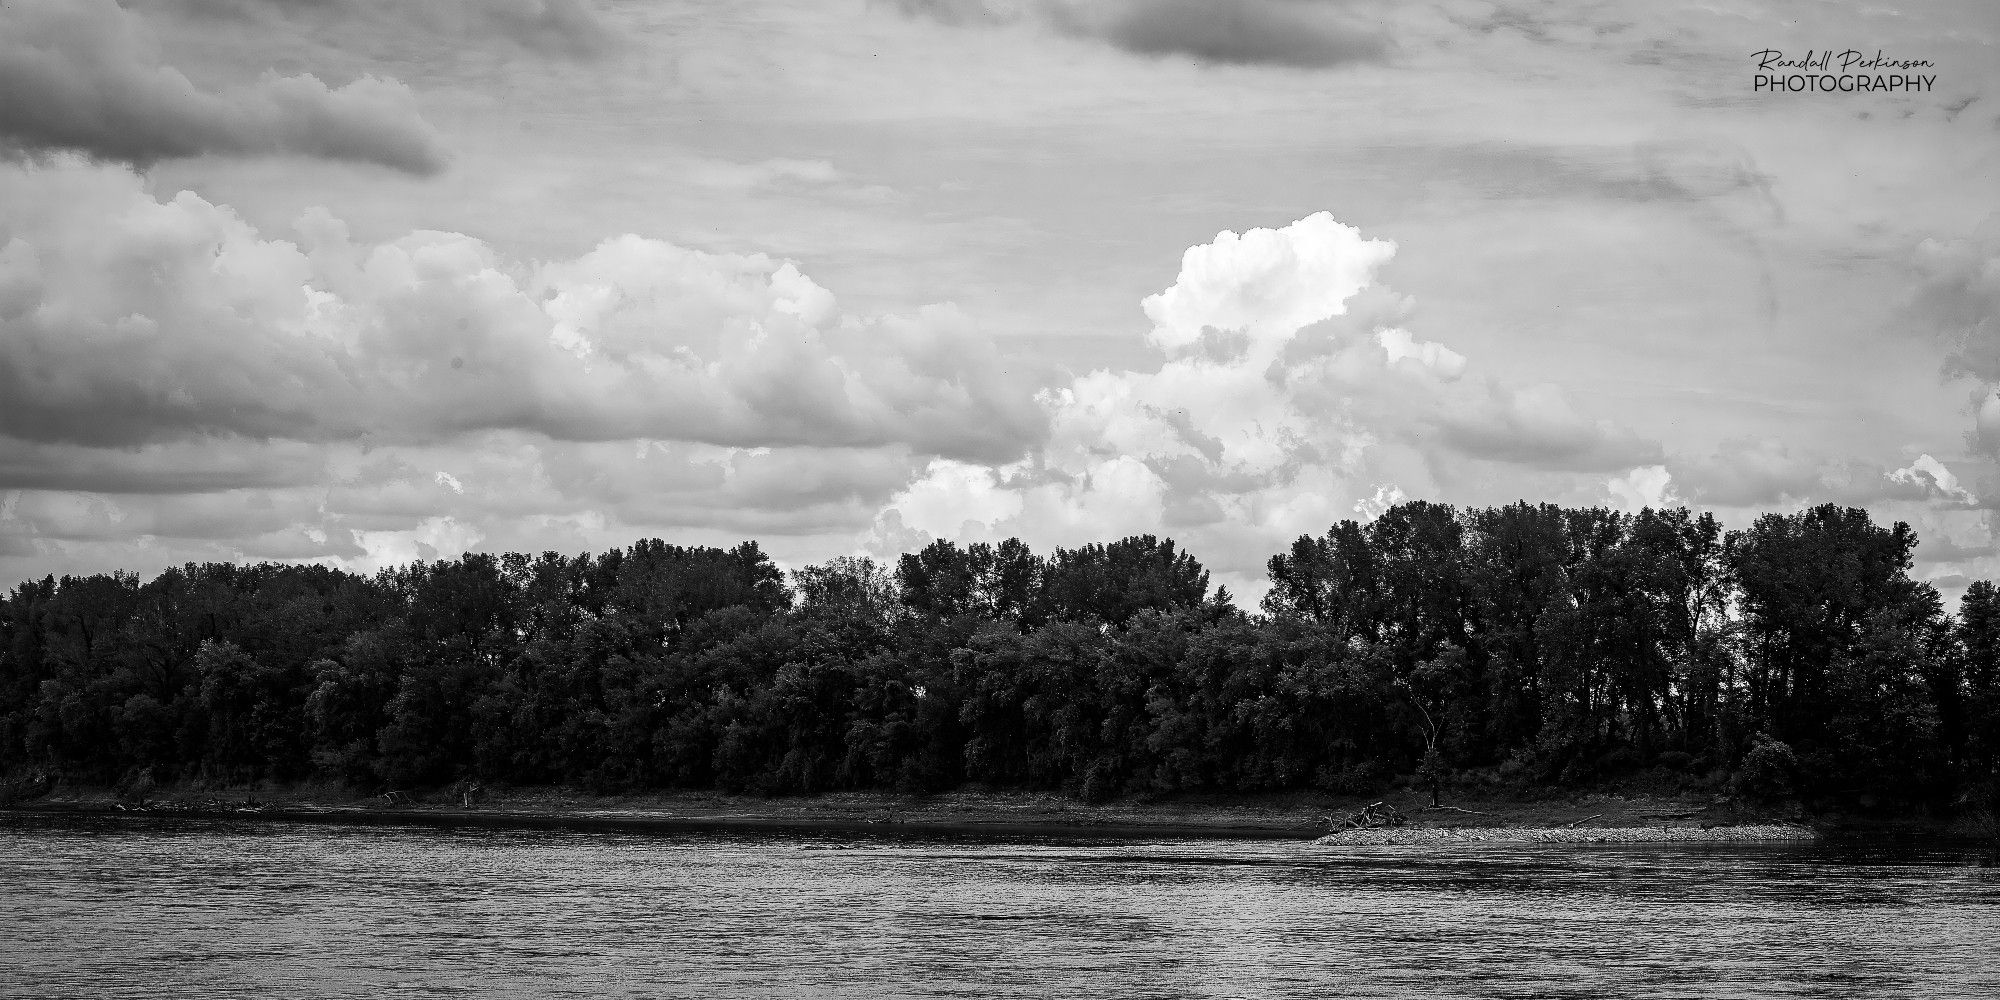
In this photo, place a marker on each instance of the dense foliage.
(1528, 643)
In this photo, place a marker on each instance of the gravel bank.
(1770, 833)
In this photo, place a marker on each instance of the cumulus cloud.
(1643, 487)
(1371, 507)
(1289, 396)
(1307, 34)
(126, 320)
(1929, 478)
(86, 75)
(1399, 345)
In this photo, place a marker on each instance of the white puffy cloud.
(1266, 283)
(1288, 395)
(1371, 507)
(126, 320)
(1399, 345)
(87, 75)
(1930, 478)
(1645, 486)
(176, 385)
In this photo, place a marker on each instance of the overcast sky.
(366, 281)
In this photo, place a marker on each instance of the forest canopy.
(1531, 644)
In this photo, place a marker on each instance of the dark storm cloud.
(86, 75)
(1297, 33)
(203, 465)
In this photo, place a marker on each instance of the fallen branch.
(1686, 814)
(1456, 809)
(1373, 816)
(1586, 819)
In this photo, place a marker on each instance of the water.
(155, 908)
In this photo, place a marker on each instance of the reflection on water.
(150, 907)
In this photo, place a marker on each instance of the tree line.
(1528, 644)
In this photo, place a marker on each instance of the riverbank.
(1753, 833)
(976, 813)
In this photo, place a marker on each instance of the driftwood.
(1456, 809)
(1586, 819)
(468, 793)
(1373, 816)
(32, 786)
(1684, 814)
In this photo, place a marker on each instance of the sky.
(363, 281)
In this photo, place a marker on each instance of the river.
(161, 907)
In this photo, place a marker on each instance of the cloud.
(1754, 473)
(86, 75)
(961, 12)
(1931, 480)
(552, 27)
(1308, 35)
(125, 320)
(200, 465)
(1266, 283)
(1399, 345)
(366, 507)
(175, 385)
(1643, 487)
(1958, 299)
(1750, 473)
(1289, 394)
(1305, 34)
(1537, 426)
(1371, 507)
(560, 28)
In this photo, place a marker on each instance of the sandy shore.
(1580, 819)
(1417, 836)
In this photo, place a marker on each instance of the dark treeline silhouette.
(1532, 645)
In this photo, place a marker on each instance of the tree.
(1111, 583)
(1829, 613)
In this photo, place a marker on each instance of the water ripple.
(156, 908)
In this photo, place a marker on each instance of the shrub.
(1100, 783)
(1619, 761)
(1365, 778)
(1769, 772)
